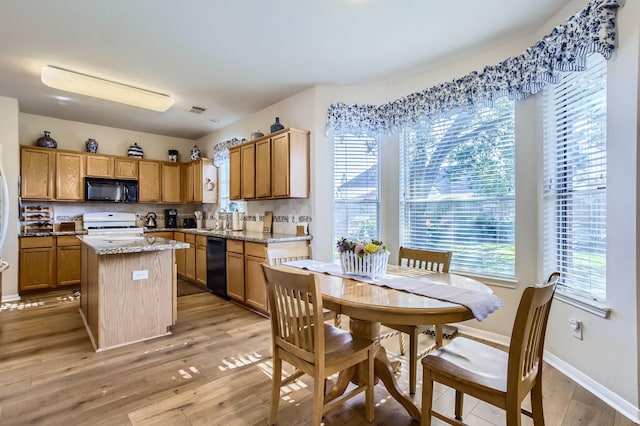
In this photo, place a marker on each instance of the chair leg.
(370, 414)
(275, 391)
(413, 360)
(536, 402)
(459, 401)
(402, 342)
(318, 401)
(514, 416)
(427, 397)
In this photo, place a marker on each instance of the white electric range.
(112, 225)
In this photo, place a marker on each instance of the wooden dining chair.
(279, 255)
(436, 261)
(500, 378)
(301, 338)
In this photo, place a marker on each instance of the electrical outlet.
(140, 275)
(576, 328)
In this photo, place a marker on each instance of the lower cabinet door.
(235, 276)
(37, 268)
(255, 291)
(68, 261)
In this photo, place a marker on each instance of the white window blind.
(575, 180)
(457, 181)
(356, 186)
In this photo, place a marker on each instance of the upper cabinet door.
(149, 181)
(263, 169)
(125, 168)
(70, 176)
(99, 166)
(235, 174)
(248, 159)
(37, 168)
(171, 182)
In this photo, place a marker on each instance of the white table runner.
(481, 303)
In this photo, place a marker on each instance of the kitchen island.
(128, 288)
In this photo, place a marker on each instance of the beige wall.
(73, 134)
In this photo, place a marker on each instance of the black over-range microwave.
(111, 190)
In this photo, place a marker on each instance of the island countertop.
(123, 245)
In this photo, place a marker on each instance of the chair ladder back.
(435, 261)
(279, 255)
(527, 338)
(295, 302)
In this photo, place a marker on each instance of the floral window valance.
(564, 49)
(221, 150)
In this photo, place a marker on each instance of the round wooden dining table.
(369, 305)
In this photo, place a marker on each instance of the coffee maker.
(171, 218)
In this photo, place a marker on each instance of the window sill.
(591, 306)
(492, 281)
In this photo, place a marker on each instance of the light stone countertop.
(256, 237)
(123, 245)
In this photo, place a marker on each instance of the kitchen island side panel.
(135, 310)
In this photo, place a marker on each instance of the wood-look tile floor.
(214, 370)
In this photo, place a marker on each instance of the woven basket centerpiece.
(368, 259)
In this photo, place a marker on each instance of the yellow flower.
(370, 248)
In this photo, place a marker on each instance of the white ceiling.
(235, 57)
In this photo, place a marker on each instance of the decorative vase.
(46, 141)
(91, 145)
(195, 153)
(276, 126)
(135, 151)
(369, 265)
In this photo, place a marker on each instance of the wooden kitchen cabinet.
(67, 260)
(235, 270)
(201, 260)
(190, 257)
(99, 166)
(235, 174)
(200, 182)
(149, 181)
(37, 173)
(170, 182)
(180, 254)
(276, 166)
(70, 176)
(263, 168)
(37, 263)
(125, 168)
(248, 170)
(255, 289)
(290, 164)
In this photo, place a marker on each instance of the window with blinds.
(458, 191)
(356, 183)
(575, 180)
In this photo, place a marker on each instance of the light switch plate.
(140, 275)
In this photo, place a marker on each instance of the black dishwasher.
(217, 266)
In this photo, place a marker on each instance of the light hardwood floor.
(214, 370)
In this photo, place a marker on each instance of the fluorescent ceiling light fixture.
(84, 84)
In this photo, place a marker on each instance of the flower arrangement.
(367, 258)
(361, 248)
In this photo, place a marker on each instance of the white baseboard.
(11, 298)
(606, 395)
